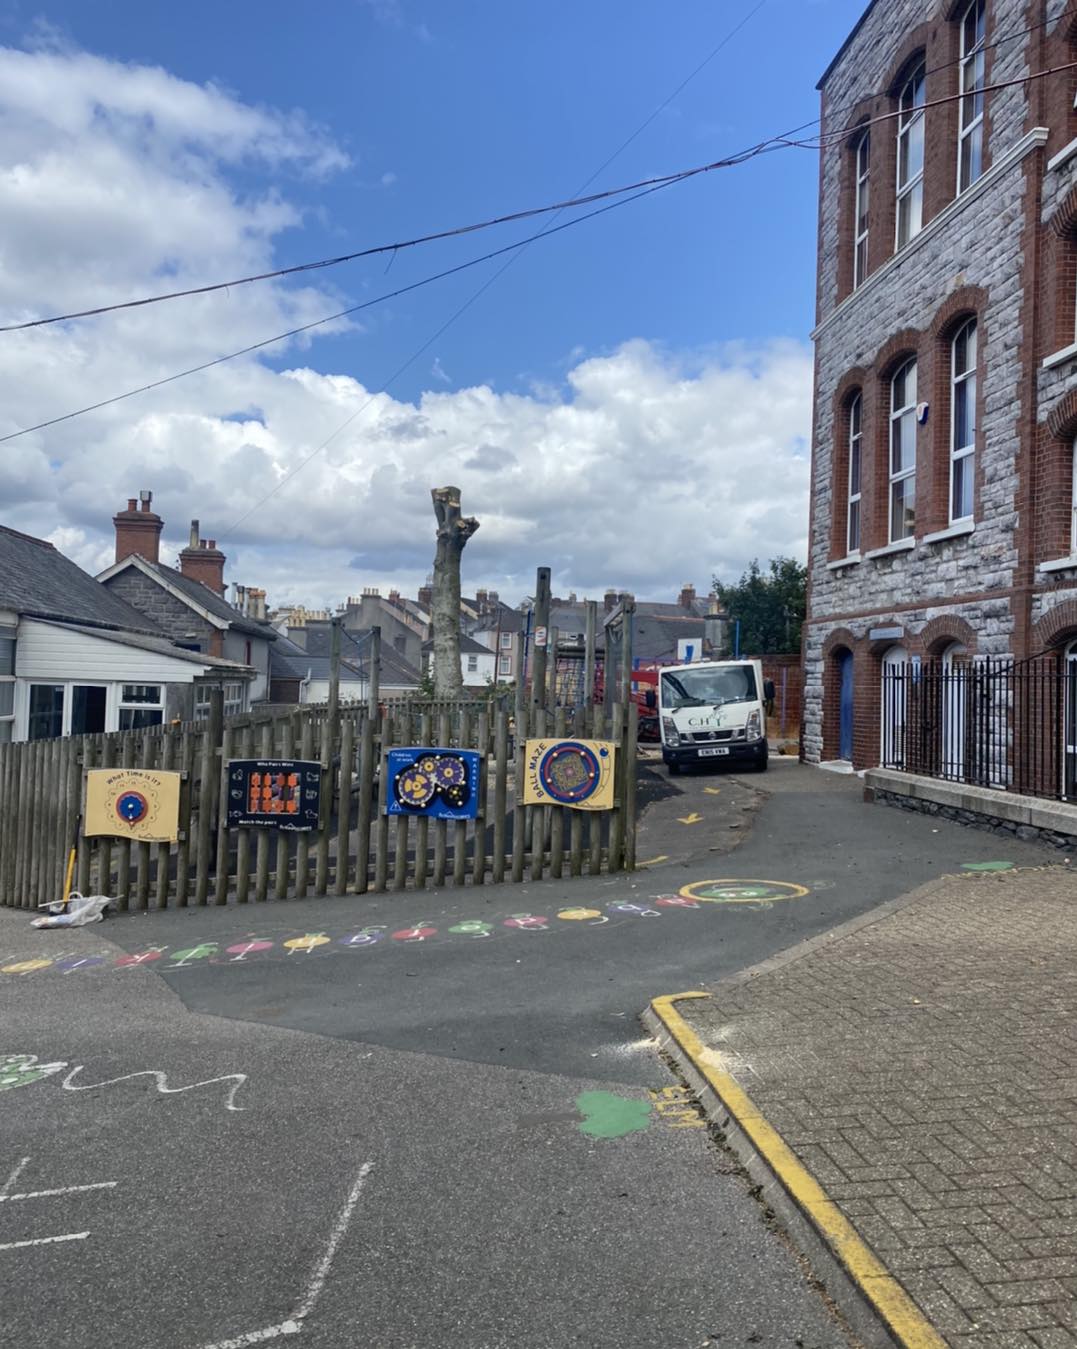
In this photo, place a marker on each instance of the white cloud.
(644, 468)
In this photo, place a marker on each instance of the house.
(943, 530)
(188, 603)
(494, 625)
(477, 662)
(404, 624)
(75, 658)
(300, 673)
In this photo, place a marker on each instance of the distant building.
(477, 662)
(300, 674)
(404, 624)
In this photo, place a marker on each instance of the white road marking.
(258, 1336)
(161, 1079)
(13, 1177)
(43, 1241)
(321, 1269)
(65, 1189)
(317, 1279)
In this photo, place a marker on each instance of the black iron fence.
(1010, 725)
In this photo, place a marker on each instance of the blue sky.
(446, 114)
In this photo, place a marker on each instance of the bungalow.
(76, 659)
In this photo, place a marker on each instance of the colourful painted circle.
(366, 936)
(569, 772)
(19, 1070)
(578, 915)
(132, 807)
(244, 948)
(677, 902)
(72, 963)
(472, 927)
(199, 952)
(144, 958)
(527, 921)
(636, 910)
(734, 891)
(26, 966)
(306, 943)
(987, 866)
(415, 933)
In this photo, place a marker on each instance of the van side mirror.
(650, 700)
(768, 690)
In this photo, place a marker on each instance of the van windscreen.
(709, 688)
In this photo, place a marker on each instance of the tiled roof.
(38, 580)
(216, 604)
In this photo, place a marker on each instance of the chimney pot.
(137, 532)
(194, 534)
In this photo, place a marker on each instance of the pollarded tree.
(454, 530)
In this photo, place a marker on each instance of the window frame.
(504, 664)
(896, 419)
(854, 498)
(861, 210)
(126, 703)
(908, 118)
(472, 662)
(7, 719)
(976, 59)
(958, 454)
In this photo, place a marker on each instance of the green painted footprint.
(608, 1116)
(19, 1070)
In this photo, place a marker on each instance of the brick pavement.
(924, 1068)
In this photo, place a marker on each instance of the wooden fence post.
(208, 779)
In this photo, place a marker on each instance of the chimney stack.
(609, 601)
(687, 597)
(203, 561)
(138, 529)
(425, 597)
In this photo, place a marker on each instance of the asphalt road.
(437, 1138)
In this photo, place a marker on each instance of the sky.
(628, 401)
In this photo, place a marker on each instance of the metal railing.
(993, 722)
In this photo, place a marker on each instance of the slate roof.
(468, 646)
(288, 660)
(37, 580)
(216, 604)
(655, 637)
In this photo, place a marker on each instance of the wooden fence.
(358, 848)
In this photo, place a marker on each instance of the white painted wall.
(46, 651)
(235, 648)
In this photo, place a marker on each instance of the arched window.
(860, 235)
(895, 702)
(856, 439)
(962, 422)
(910, 157)
(970, 142)
(903, 452)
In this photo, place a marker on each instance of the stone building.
(943, 525)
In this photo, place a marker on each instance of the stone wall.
(171, 615)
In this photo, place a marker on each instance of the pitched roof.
(193, 591)
(468, 646)
(37, 580)
(655, 637)
(396, 672)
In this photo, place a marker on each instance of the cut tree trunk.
(454, 530)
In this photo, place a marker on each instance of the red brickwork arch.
(937, 635)
(1056, 626)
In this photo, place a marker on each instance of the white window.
(472, 664)
(963, 422)
(7, 685)
(970, 142)
(860, 240)
(856, 409)
(1073, 499)
(504, 665)
(903, 453)
(141, 705)
(910, 158)
(506, 640)
(895, 689)
(235, 700)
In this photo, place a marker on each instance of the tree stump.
(454, 530)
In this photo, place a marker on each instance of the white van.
(714, 711)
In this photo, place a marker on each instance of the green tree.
(770, 606)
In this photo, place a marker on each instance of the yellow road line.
(896, 1308)
(653, 861)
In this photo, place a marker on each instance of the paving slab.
(919, 1067)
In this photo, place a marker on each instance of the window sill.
(850, 560)
(898, 546)
(954, 531)
(1059, 563)
(1060, 357)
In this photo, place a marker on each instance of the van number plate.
(711, 753)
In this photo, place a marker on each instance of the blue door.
(845, 745)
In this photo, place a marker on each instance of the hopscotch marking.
(318, 1276)
(6, 1197)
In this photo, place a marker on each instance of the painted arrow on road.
(713, 791)
(694, 818)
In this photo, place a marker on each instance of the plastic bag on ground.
(80, 910)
